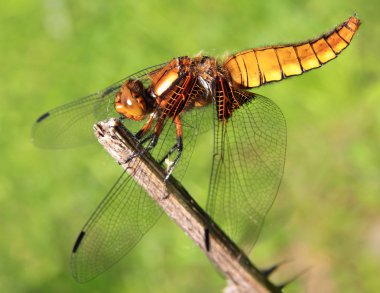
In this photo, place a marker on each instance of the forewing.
(249, 155)
(71, 124)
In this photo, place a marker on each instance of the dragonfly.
(167, 106)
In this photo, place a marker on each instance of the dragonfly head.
(130, 101)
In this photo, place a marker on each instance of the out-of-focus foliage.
(326, 217)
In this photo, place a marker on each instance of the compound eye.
(130, 101)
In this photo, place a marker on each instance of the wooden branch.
(242, 275)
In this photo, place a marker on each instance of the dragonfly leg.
(153, 138)
(177, 147)
(147, 126)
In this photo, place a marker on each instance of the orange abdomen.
(255, 67)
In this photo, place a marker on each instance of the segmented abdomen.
(255, 67)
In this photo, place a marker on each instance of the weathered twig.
(242, 275)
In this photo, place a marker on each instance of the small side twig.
(242, 275)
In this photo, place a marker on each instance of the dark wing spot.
(79, 240)
(43, 116)
(207, 239)
(108, 91)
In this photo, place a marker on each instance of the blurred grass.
(326, 216)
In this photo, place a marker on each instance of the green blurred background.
(326, 219)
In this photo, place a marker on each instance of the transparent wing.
(249, 155)
(128, 212)
(71, 124)
(117, 225)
